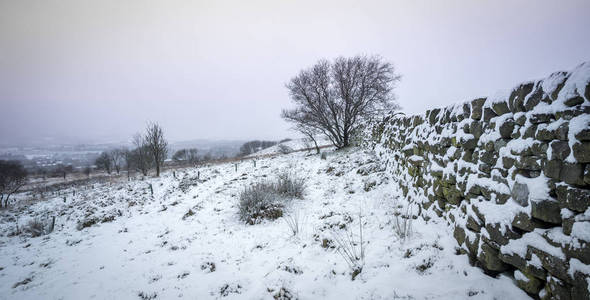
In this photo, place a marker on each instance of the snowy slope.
(295, 145)
(150, 250)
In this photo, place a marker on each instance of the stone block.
(506, 128)
(573, 198)
(520, 193)
(560, 150)
(528, 283)
(546, 210)
(488, 114)
(582, 152)
(459, 234)
(556, 266)
(477, 108)
(572, 173)
(501, 234)
(528, 163)
(552, 168)
(473, 224)
(517, 96)
(539, 118)
(490, 260)
(466, 110)
(524, 222)
(500, 107)
(556, 289)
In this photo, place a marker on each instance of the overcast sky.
(217, 69)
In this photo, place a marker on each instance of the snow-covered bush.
(258, 202)
(34, 228)
(265, 200)
(290, 186)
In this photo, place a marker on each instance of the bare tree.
(13, 176)
(335, 97)
(309, 133)
(129, 162)
(140, 156)
(87, 171)
(117, 158)
(157, 145)
(105, 162)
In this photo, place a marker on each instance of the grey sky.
(217, 69)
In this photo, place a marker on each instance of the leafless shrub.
(289, 185)
(265, 200)
(351, 248)
(294, 222)
(259, 202)
(402, 223)
(34, 228)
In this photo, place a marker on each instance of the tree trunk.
(317, 148)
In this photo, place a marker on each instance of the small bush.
(290, 186)
(266, 200)
(259, 202)
(35, 228)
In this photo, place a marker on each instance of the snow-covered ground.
(293, 145)
(145, 246)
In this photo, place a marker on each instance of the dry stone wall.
(511, 174)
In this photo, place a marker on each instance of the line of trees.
(151, 150)
(254, 146)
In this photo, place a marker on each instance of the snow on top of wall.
(576, 83)
(534, 239)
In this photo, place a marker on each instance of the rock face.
(511, 174)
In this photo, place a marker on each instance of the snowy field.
(186, 240)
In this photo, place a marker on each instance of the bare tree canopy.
(156, 144)
(13, 176)
(335, 97)
(140, 157)
(105, 162)
(117, 158)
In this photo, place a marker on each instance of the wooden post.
(52, 224)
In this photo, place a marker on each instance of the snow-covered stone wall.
(511, 174)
